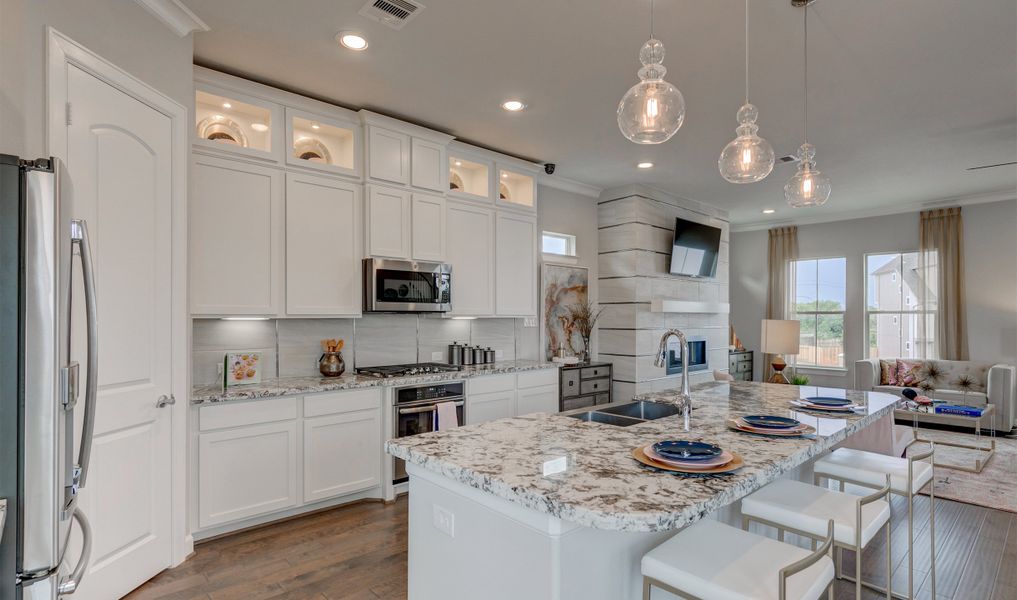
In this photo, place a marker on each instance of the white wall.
(121, 31)
(990, 271)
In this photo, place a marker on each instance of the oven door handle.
(424, 409)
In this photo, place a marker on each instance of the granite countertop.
(285, 386)
(603, 486)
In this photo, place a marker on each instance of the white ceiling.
(904, 94)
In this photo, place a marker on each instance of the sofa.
(955, 381)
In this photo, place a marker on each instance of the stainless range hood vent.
(394, 13)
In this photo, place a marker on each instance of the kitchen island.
(563, 502)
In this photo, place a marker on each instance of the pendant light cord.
(746, 51)
(651, 19)
(806, 77)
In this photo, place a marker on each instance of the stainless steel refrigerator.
(42, 465)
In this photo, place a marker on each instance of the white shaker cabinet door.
(388, 222)
(246, 471)
(235, 219)
(388, 155)
(428, 216)
(429, 165)
(490, 406)
(342, 454)
(470, 250)
(538, 399)
(516, 270)
(323, 249)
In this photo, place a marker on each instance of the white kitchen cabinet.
(388, 155)
(342, 453)
(429, 165)
(516, 266)
(428, 216)
(537, 399)
(490, 406)
(469, 249)
(246, 471)
(517, 189)
(323, 248)
(389, 220)
(235, 212)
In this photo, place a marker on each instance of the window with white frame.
(819, 286)
(896, 322)
(558, 243)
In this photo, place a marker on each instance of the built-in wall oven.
(414, 408)
(406, 286)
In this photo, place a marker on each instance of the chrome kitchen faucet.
(685, 397)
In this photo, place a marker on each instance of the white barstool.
(907, 477)
(710, 561)
(806, 509)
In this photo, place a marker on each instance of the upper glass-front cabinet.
(469, 178)
(516, 189)
(230, 121)
(320, 143)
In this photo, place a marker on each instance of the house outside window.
(820, 297)
(897, 324)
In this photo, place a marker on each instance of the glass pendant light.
(653, 109)
(807, 187)
(748, 158)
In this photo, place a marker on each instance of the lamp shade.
(780, 337)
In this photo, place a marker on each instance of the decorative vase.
(584, 355)
(331, 364)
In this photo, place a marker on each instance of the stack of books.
(954, 409)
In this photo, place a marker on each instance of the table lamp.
(779, 337)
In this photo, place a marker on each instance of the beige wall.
(990, 271)
(121, 31)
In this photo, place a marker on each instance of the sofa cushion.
(887, 372)
(909, 372)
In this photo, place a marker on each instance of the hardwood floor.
(358, 552)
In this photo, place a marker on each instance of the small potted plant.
(584, 316)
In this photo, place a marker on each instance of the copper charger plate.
(735, 464)
(807, 430)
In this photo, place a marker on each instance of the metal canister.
(489, 355)
(467, 355)
(478, 355)
(455, 353)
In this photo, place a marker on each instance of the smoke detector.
(394, 13)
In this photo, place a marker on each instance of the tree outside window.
(820, 293)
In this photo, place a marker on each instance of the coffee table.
(926, 414)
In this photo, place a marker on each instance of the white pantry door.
(118, 159)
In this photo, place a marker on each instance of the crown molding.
(175, 15)
(985, 198)
(569, 185)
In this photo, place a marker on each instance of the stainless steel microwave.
(406, 286)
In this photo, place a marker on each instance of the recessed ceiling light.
(259, 127)
(768, 211)
(513, 105)
(645, 165)
(351, 40)
(459, 163)
(315, 126)
(504, 175)
(227, 105)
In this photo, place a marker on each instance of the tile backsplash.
(291, 347)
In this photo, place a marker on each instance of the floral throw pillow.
(887, 372)
(909, 373)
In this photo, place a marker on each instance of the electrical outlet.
(437, 356)
(445, 521)
(530, 322)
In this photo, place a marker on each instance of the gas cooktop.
(411, 369)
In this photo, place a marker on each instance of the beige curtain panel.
(941, 265)
(783, 251)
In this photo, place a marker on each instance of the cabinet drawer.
(743, 367)
(247, 413)
(593, 386)
(603, 399)
(594, 372)
(341, 402)
(570, 383)
(538, 378)
(492, 383)
(742, 357)
(580, 402)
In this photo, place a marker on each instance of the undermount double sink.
(625, 415)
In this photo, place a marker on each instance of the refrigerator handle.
(69, 584)
(79, 237)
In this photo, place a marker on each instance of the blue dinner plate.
(828, 401)
(685, 450)
(771, 422)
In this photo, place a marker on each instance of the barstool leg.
(932, 528)
(911, 542)
(646, 589)
(889, 564)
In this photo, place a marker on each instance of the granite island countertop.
(604, 487)
(287, 386)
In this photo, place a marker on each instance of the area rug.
(995, 487)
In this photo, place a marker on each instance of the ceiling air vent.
(394, 13)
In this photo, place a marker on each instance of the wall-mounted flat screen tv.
(696, 249)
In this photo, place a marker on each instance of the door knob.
(165, 400)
